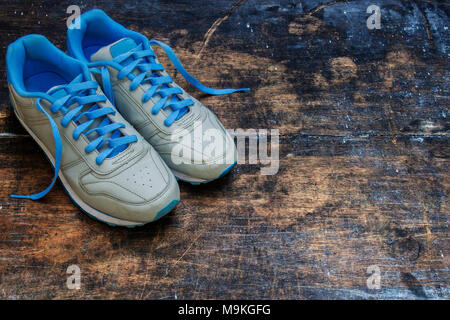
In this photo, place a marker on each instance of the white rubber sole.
(94, 213)
(196, 181)
(186, 178)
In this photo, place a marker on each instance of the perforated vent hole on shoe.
(142, 178)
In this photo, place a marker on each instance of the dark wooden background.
(364, 159)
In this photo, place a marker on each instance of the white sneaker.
(186, 134)
(107, 168)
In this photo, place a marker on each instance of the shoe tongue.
(112, 50)
(56, 92)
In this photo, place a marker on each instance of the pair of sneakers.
(116, 128)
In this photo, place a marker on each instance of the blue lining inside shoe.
(97, 30)
(42, 76)
(34, 65)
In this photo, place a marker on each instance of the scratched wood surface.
(364, 160)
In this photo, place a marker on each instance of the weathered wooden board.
(364, 160)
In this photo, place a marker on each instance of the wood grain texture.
(364, 160)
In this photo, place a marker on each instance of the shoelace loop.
(144, 59)
(83, 93)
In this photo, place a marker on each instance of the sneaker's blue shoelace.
(82, 93)
(144, 59)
